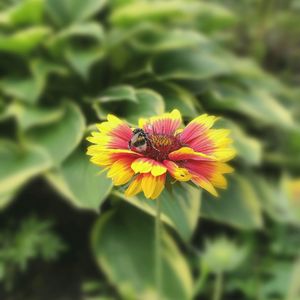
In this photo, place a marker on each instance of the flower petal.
(146, 165)
(185, 153)
(197, 127)
(113, 134)
(135, 187)
(153, 185)
(205, 184)
(121, 172)
(166, 124)
(180, 174)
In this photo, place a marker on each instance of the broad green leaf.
(123, 245)
(24, 41)
(196, 63)
(257, 104)
(19, 164)
(238, 206)
(248, 148)
(156, 39)
(79, 181)
(274, 199)
(138, 11)
(118, 93)
(30, 88)
(176, 97)
(83, 60)
(6, 198)
(24, 12)
(148, 103)
(89, 31)
(30, 116)
(61, 138)
(180, 207)
(73, 11)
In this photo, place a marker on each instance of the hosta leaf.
(123, 245)
(248, 148)
(78, 180)
(23, 41)
(83, 60)
(237, 206)
(176, 97)
(257, 104)
(197, 63)
(118, 93)
(30, 116)
(19, 164)
(180, 207)
(6, 198)
(61, 138)
(148, 103)
(30, 88)
(24, 12)
(89, 31)
(155, 39)
(74, 11)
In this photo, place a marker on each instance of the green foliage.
(33, 239)
(66, 64)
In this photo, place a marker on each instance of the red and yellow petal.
(106, 157)
(179, 173)
(197, 127)
(113, 134)
(186, 153)
(120, 171)
(148, 165)
(208, 175)
(167, 123)
(135, 186)
(152, 186)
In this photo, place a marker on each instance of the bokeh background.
(65, 233)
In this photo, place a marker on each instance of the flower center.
(161, 145)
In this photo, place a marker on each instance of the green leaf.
(61, 138)
(148, 103)
(29, 116)
(73, 11)
(155, 39)
(89, 30)
(180, 207)
(30, 88)
(257, 104)
(79, 182)
(24, 12)
(176, 97)
(24, 41)
(238, 206)
(248, 148)
(6, 198)
(118, 93)
(18, 165)
(197, 63)
(83, 60)
(123, 245)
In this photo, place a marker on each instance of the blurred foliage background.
(65, 232)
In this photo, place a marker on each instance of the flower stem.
(218, 287)
(158, 262)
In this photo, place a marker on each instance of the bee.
(140, 140)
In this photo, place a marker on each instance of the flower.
(142, 157)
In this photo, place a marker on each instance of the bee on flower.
(159, 149)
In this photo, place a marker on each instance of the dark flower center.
(161, 145)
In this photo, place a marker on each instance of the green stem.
(200, 282)
(218, 287)
(158, 265)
